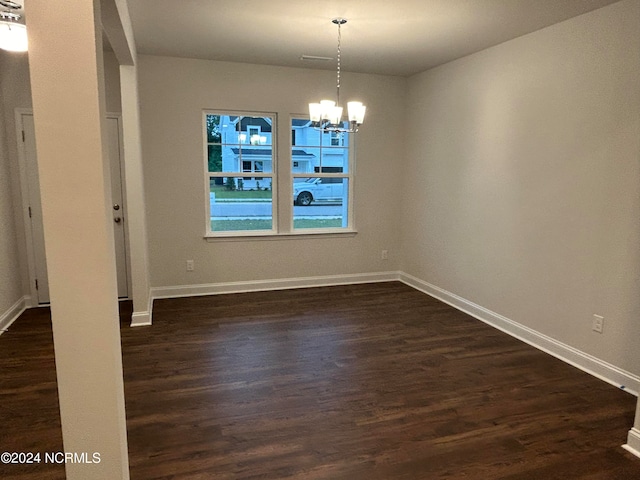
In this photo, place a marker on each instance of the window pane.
(240, 162)
(255, 130)
(305, 160)
(335, 139)
(213, 129)
(335, 159)
(238, 204)
(247, 159)
(316, 151)
(260, 158)
(214, 157)
(320, 202)
(302, 134)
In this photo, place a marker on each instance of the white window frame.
(349, 175)
(281, 179)
(269, 177)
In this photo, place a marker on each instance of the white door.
(35, 208)
(117, 204)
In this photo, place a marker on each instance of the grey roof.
(301, 153)
(267, 152)
(252, 151)
(299, 122)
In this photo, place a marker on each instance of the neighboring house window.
(239, 145)
(321, 178)
(337, 139)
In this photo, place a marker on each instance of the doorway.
(33, 214)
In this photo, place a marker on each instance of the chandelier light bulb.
(356, 112)
(335, 115)
(326, 107)
(315, 112)
(13, 35)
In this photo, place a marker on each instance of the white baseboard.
(142, 319)
(588, 363)
(633, 442)
(277, 284)
(11, 315)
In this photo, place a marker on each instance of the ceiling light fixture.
(327, 115)
(13, 34)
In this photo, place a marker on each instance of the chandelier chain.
(338, 77)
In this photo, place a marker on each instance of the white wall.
(521, 184)
(173, 93)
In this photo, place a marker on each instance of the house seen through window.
(321, 177)
(242, 184)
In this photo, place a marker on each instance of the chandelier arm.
(10, 4)
(9, 16)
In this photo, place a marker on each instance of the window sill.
(280, 236)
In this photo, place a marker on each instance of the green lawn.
(237, 225)
(223, 192)
(320, 223)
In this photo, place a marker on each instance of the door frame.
(26, 221)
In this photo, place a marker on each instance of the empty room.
(319, 240)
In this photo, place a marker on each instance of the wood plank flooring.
(374, 381)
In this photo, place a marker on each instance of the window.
(321, 178)
(241, 178)
(238, 145)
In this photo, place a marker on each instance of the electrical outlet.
(384, 255)
(190, 266)
(598, 323)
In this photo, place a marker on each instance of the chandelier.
(327, 115)
(13, 34)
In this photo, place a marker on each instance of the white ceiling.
(399, 37)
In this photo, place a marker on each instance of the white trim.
(307, 232)
(24, 193)
(633, 442)
(585, 362)
(11, 315)
(277, 284)
(125, 203)
(143, 319)
(140, 319)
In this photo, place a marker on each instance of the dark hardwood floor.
(374, 381)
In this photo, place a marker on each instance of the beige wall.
(112, 82)
(17, 89)
(173, 93)
(15, 92)
(521, 183)
(10, 278)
